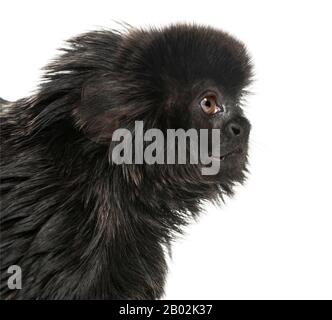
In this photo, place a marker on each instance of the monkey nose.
(238, 128)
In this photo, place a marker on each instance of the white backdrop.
(274, 239)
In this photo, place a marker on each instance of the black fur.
(79, 226)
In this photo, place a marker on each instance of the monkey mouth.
(223, 157)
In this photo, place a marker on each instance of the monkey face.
(212, 109)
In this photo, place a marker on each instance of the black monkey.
(80, 226)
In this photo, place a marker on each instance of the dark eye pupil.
(208, 103)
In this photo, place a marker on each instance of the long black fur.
(79, 226)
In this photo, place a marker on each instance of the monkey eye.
(210, 106)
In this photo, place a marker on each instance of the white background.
(274, 239)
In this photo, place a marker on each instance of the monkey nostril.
(235, 129)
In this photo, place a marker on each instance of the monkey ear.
(98, 117)
(106, 105)
(98, 113)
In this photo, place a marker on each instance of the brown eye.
(209, 105)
